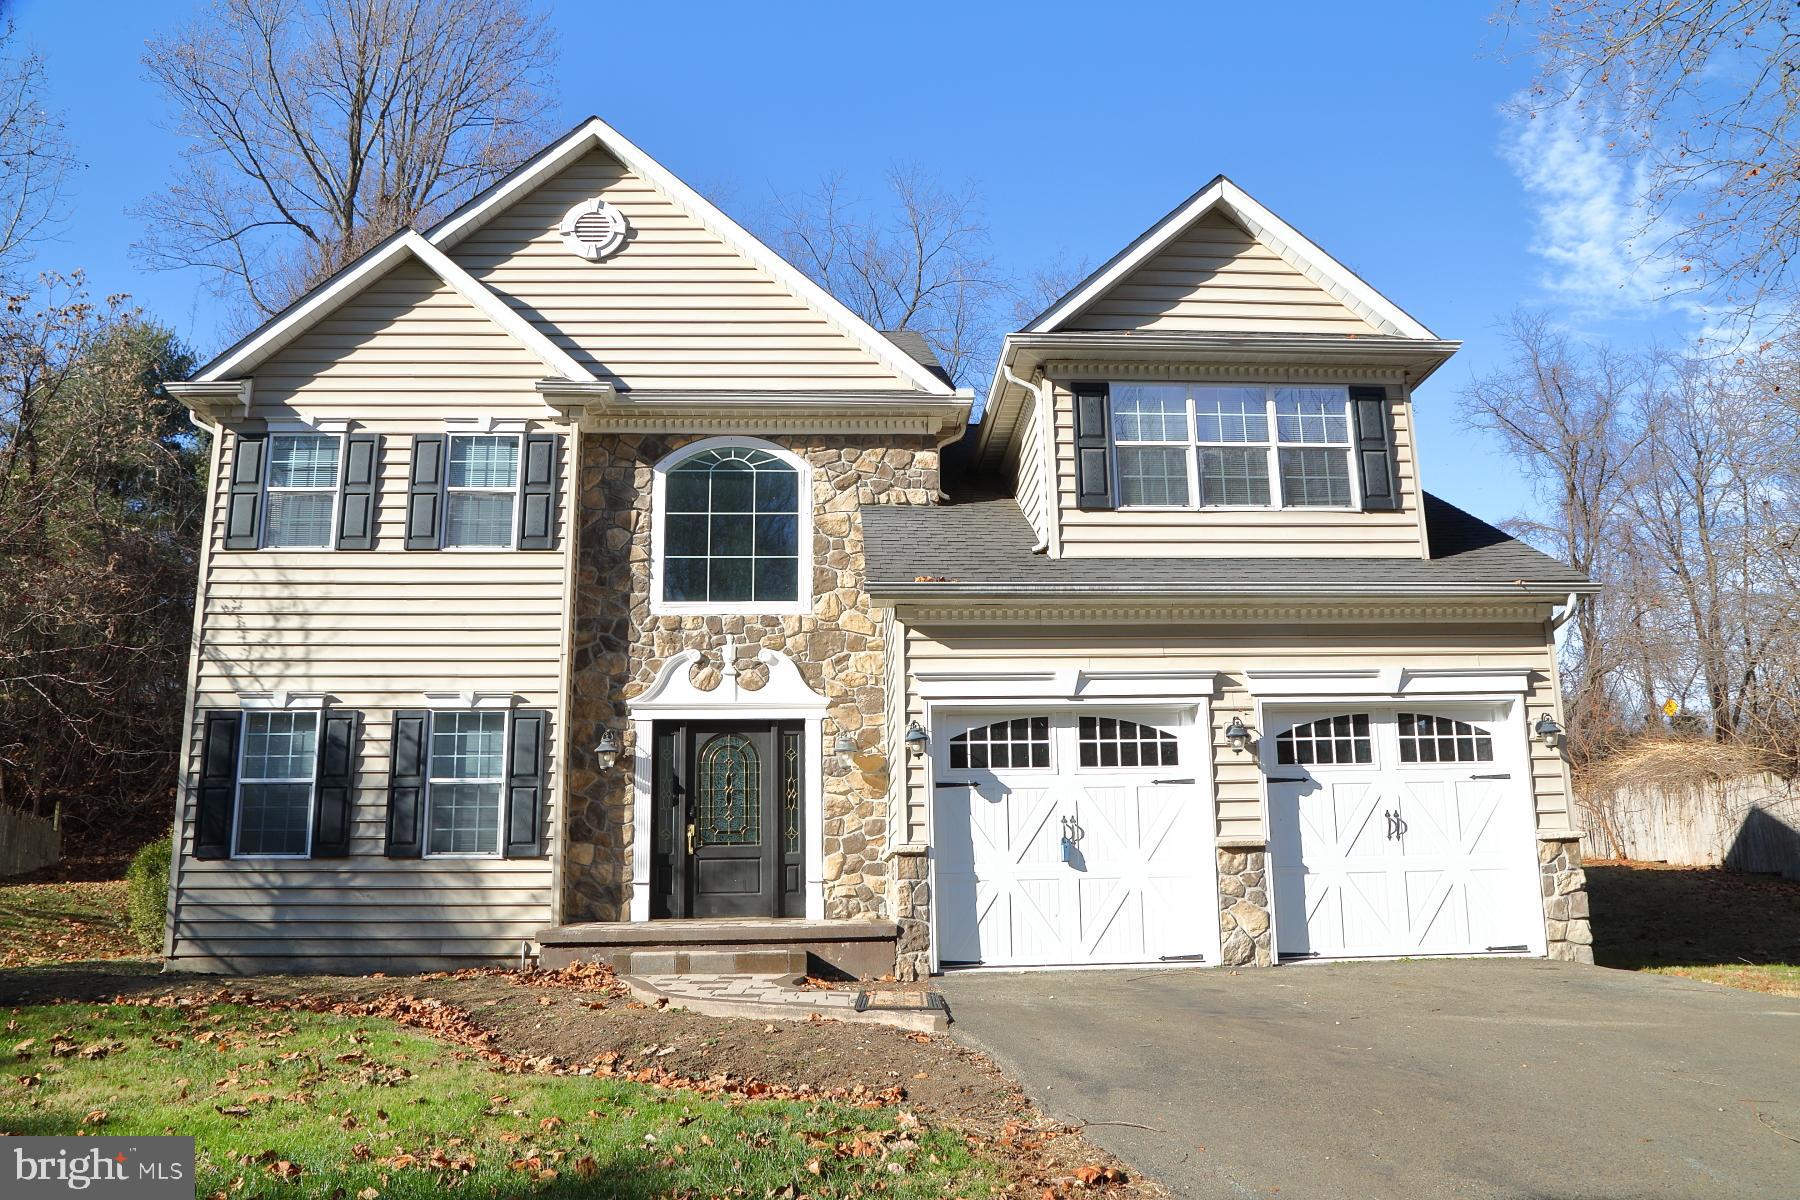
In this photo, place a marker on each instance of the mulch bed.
(566, 1022)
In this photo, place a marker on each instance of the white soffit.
(1267, 228)
(248, 354)
(594, 133)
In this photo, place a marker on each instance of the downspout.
(1046, 477)
(1569, 607)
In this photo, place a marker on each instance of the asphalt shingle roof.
(983, 547)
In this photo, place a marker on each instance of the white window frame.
(249, 714)
(269, 488)
(431, 783)
(1271, 447)
(802, 603)
(517, 437)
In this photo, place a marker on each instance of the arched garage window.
(1110, 742)
(1340, 739)
(732, 529)
(1020, 742)
(1428, 739)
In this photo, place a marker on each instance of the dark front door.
(726, 810)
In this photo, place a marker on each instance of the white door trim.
(1196, 748)
(672, 696)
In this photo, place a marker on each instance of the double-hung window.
(302, 490)
(467, 775)
(276, 770)
(1232, 446)
(481, 492)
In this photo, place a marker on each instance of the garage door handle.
(1501, 775)
(1189, 780)
(1287, 779)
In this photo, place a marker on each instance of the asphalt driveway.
(1508, 1078)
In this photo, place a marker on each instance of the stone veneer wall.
(619, 646)
(1244, 908)
(1566, 925)
(912, 912)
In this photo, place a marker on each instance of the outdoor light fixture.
(916, 738)
(1547, 729)
(844, 747)
(1237, 735)
(607, 752)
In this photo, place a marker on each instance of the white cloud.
(1592, 233)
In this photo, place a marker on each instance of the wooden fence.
(28, 842)
(1751, 823)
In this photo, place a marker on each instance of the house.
(583, 580)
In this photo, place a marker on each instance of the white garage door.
(1121, 790)
(1404, 831)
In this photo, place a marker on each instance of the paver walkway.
(777, 998)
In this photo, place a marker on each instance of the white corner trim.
(1066, 684)
(785, 694)
(282, 700)
(1387, 682)
(1266, 227)
(486, 423)
(325, 300)
(470, 700)
(595, 132)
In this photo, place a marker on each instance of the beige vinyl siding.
(1234, 532)
(1217, 278)
(674, 308)
(1231, 651)
(375, 630)
(907, 826)
(1029, 482)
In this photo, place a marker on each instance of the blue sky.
(1375, 129)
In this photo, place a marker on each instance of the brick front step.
(734, 946)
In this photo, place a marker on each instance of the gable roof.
(594, 133)
(257, 347)
(1283, 239)
(984, 547)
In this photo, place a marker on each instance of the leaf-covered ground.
(1722, 927)
(293, 1103)
(63, 922)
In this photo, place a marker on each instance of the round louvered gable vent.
(594, 229)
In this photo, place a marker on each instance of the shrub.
(147, 893)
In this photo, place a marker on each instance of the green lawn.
(1777, 979)
(292, 1104)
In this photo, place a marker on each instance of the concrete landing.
(728, 946)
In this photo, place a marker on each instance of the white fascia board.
(595, 132)
(322, 303)
(1271, 230)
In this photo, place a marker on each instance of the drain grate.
(901, 1000)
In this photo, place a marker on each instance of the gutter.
(1569, 606)
(1116, 590)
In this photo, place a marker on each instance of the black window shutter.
(218, 784)
(406, 784)
(1093, 456)
(243, 511)
(334, 787)
(537, 492)
(425, 493)
(1374, 448)
(357, 491)
(525, 783)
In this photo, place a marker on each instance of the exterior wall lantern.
(607, 752)
(1548, 730)
(844, 747)
(916, 739)
(1237, 735)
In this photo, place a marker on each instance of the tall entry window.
(732, 531)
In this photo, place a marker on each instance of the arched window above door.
(733, 529)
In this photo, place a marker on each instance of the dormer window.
(1232, 446)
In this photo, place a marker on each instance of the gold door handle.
(692, 829)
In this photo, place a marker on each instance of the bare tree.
(923, 264)
(34, 156)
(1564, 412)
(1704, 96)
(318, 127)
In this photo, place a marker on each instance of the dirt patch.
(1649, 915)
(930, 1075)
(63, 922)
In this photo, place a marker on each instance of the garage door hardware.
(1396, 823)
(1288, 779)
(1171, 781)
(1507, 949)
(1501, 775)
(944, 783)
(1298, 954)
(1182, 958)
